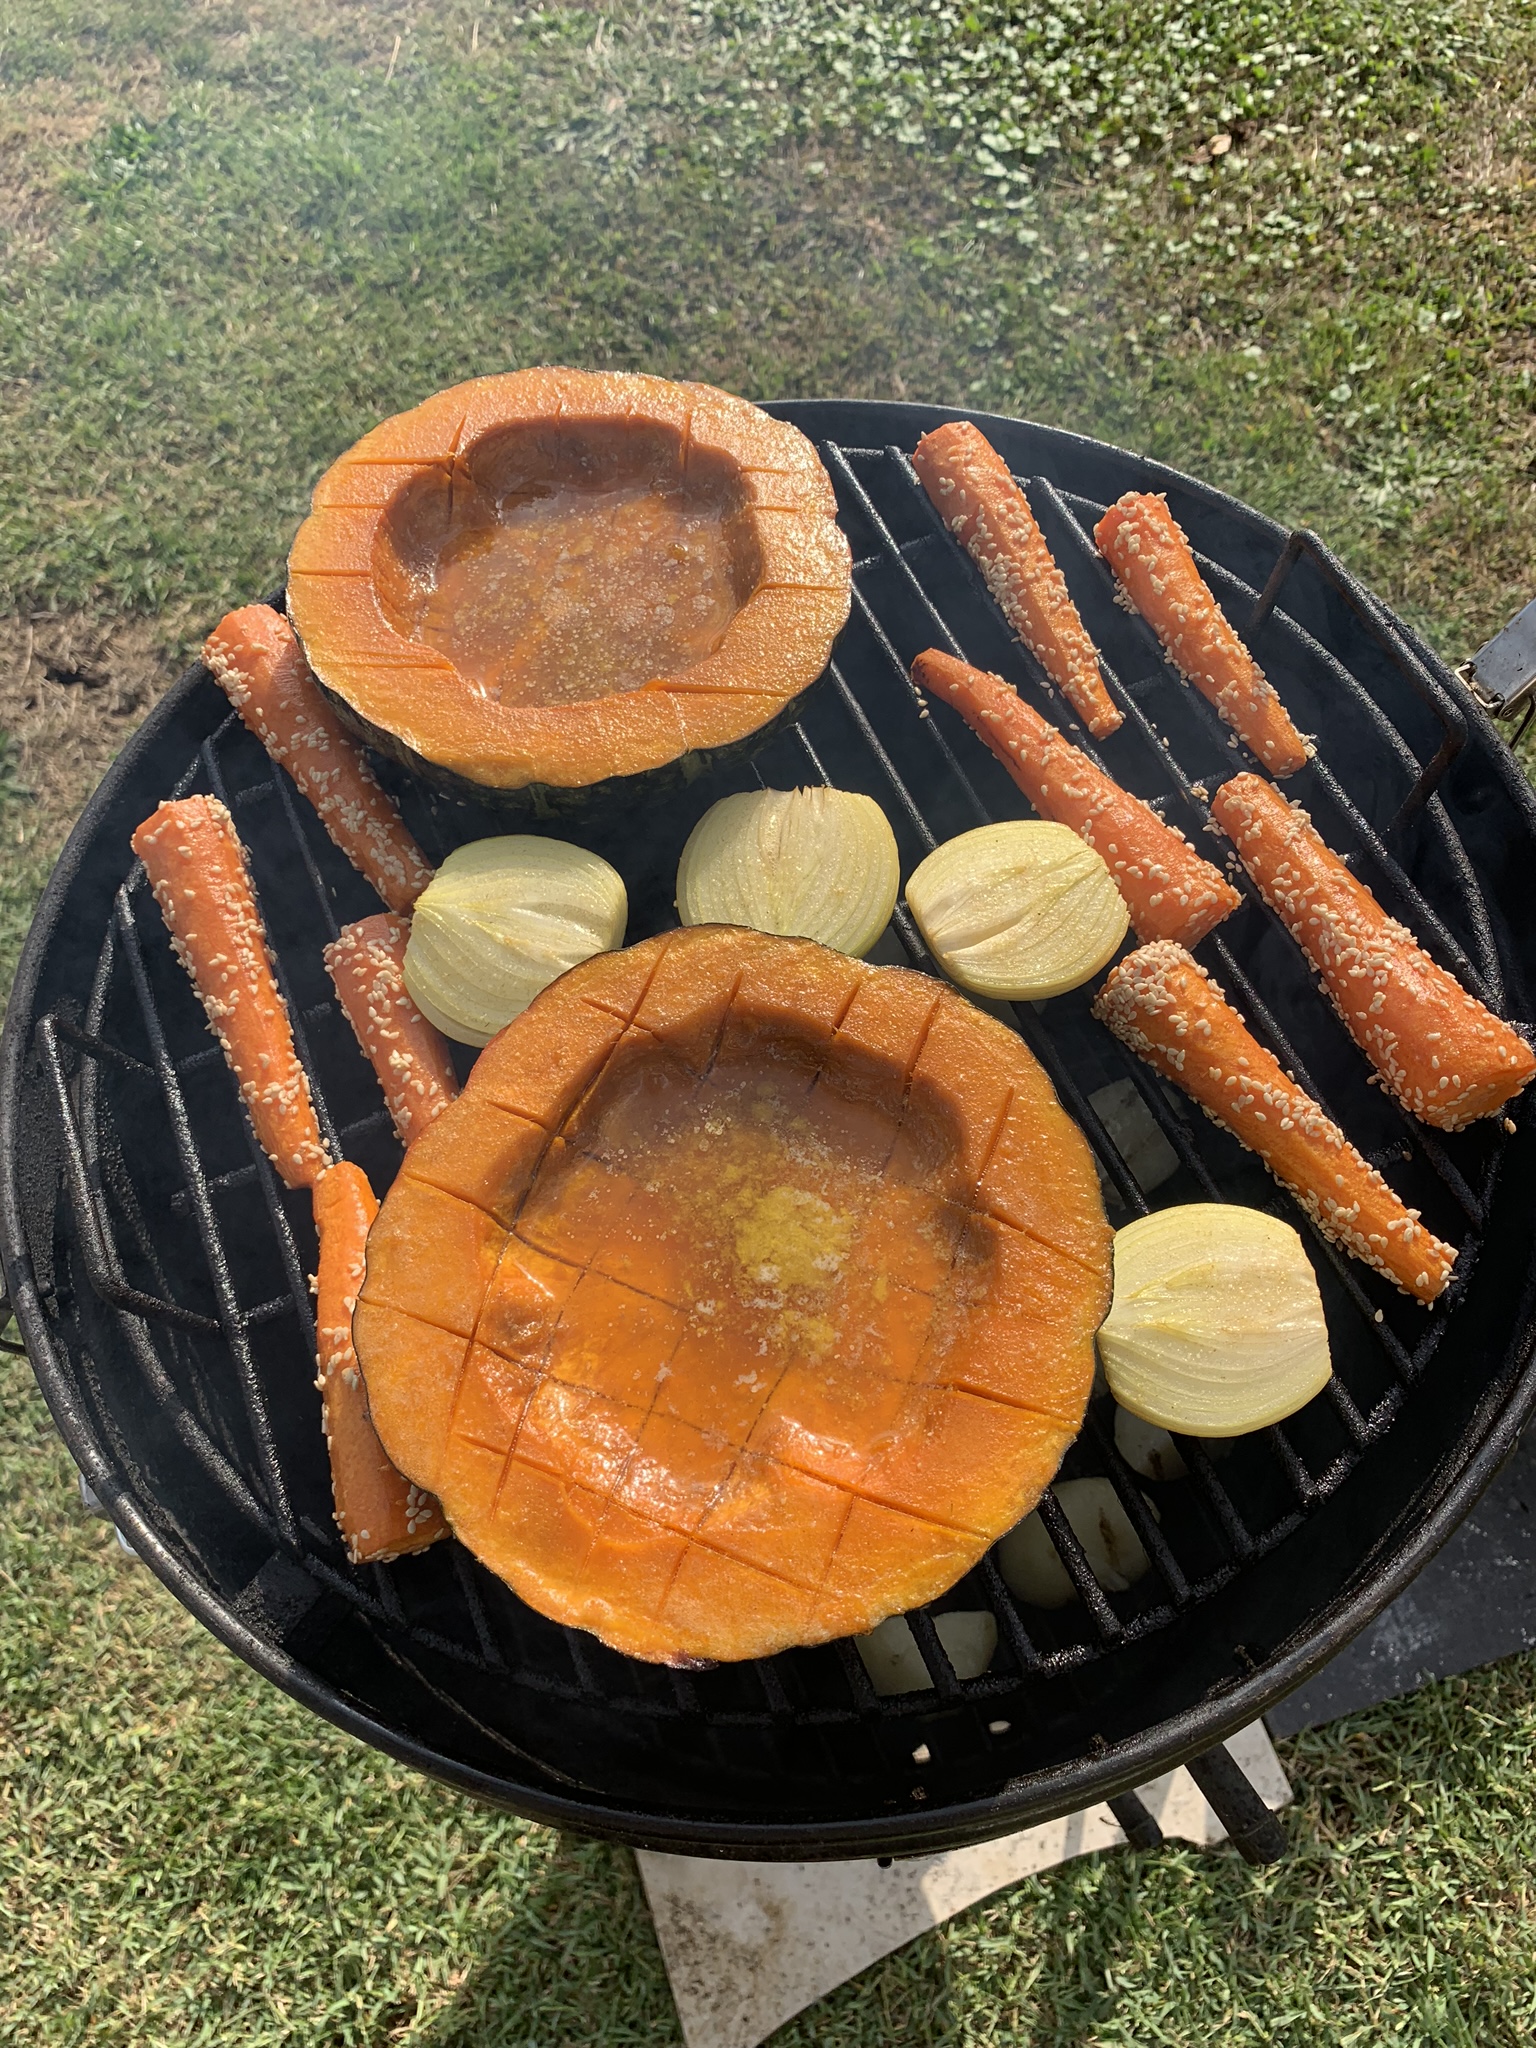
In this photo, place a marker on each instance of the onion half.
(802, 864)
(1018, 911)
(499, 921)
(1216, 1327)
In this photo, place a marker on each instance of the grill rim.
(1092, 1776)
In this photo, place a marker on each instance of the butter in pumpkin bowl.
(553, 581)
(744, 1298)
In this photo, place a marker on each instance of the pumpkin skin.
(536, 586)
(745, 1297)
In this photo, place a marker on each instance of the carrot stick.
(1164, 1006)
(978, 500)
(1171, 892)
(197, 869)
(261, 669)
(379, 1512)
(1147, 549)
(1446, 1058)
(409, 1055)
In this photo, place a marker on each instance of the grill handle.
(1251, 1828)
(93, 1244)
(1304, 542)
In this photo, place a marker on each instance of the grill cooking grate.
(179, 1222)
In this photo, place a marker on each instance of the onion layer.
(1018, 911)
(895, 1663)
(1028, 1559)
(499, 921)
(803, 864)
(1216, 1327)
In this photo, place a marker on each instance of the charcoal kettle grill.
(158, 1269)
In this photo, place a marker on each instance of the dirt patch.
(72, 688)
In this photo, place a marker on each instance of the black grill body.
(158, 1269)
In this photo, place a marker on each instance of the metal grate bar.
(1106, 1622)
(490, 1649)
(1295, 1471)
(935, 1656)
(218, 1265)
(1453, 724)
(766, 1673)
(1203, 1472)
(1143, 1521)
(242, 1176)
(1010, 1621)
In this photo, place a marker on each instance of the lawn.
(1289, 249)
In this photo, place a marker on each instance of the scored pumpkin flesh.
(744, 1298)
(560, 579)
(576, 594)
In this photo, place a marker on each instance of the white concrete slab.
(748, 1945)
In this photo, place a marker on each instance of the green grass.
(230, 246)
(277, 243)
(186, 1856)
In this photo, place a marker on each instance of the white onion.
(969, 1639)
(1147, 1449)
(1018, 911)
(804, 864)
(499, 921)
(1216, 1326)
(895, 1664)
(1028, 1559)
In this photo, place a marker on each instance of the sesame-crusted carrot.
(1446, 1058)
(196, 867)
(978, 500)
(409, 1055)
(1164, 1006)
(1147, 549)
(261, 669)
(1170, 891)
(378, 1511)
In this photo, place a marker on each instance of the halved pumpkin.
(557, 579)
(744, 1298)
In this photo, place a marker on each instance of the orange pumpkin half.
(556, 579)
(745, 1296)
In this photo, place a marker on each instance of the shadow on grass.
(577, 1966)
(576, 1962)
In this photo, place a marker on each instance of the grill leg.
(1137, 1825)
(1251, 1828)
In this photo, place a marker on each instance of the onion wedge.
(1018, 911)
(1216, 1327)
(802, 864)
